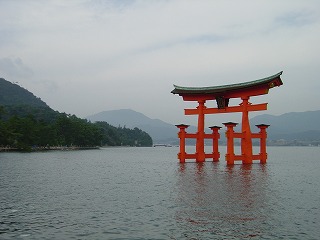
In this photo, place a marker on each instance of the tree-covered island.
(27, 123)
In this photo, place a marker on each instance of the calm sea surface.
(144, 193)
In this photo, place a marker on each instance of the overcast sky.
(86, 56)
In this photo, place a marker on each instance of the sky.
(87, 56)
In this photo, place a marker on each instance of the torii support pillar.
(182, 137)
(263, 142)
(230, 156)
(215, 143)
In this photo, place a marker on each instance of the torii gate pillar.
(200, 134)
(246, 142)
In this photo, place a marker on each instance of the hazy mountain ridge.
(159, 130)
(289, 126)
(285, 123)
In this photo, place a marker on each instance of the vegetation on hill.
(26, 122)
(13, 94)
(122, 136)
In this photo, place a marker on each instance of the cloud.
(295, 19)
(13, 68)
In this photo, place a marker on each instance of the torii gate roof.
(252, 88)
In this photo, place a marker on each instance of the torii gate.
(222, 94)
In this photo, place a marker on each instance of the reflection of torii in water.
(222, 94)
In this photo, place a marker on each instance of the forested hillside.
(12, 94)
(27, 123)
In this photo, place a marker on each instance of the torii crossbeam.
(222, 94)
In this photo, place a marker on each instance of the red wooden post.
(200, 134)
(246, 141)
(230, 140)
(215, 143)
(182, 137)
(263, 142)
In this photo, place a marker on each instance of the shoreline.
(38, 149)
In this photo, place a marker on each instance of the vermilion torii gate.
(222, 94)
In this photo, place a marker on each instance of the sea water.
(145, 193)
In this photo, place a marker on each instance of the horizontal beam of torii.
(252, 107)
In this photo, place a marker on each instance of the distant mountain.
(289, 126)
(160, 131)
